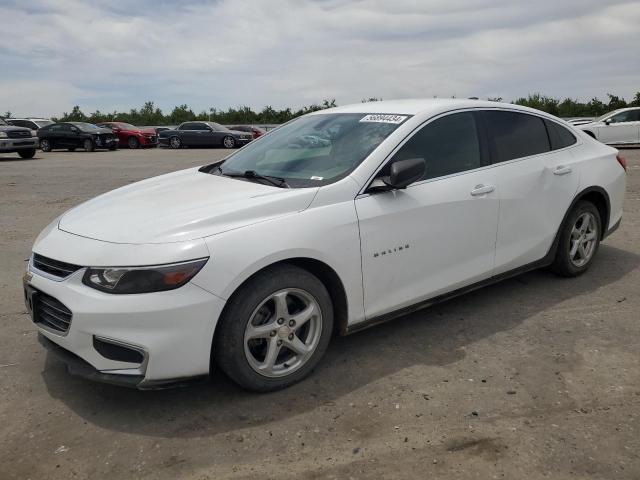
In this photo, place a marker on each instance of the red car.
(132, 136)
(254, 131)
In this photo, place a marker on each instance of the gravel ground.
(535, 377)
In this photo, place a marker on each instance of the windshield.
(314, 150)
(126, 126)
(43, 123)
(608, 114)
(217, 127)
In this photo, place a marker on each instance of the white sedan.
(620, 127)
(253, 263)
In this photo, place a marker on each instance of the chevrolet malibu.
(252, 263)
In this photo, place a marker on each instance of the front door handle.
(482, 190)
(562, 170)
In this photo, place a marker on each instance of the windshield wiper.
(252, 174)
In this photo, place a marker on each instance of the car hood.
(100, 130)
(181, 206)
(582, 126)
(12, 128)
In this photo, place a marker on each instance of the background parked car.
(33, 124)
(620, 127)
(254, 131)
(72, 135)
(17, 139)
(132, 136)
(203, 134)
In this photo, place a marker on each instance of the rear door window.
(515, 135)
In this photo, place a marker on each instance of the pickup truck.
(18, 140)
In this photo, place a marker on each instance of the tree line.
(150, 114)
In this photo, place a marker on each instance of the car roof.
(32, 119)
(431, 106)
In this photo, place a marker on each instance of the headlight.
(125, 280)
(3, 135)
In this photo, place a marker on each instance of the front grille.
(18, 133)
(54, 267)
(50, 313)
(153, 139)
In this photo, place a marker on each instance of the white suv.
(335, 221)
(620, 127)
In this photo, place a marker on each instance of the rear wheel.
(72, 149)
(579, 240)
(275, 329)
(30, 153)
(45, 145)
(88, 145)
(133, 142)
(175, 142)
(228, 142)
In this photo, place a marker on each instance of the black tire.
(228, 345)
(88, 145)
(45, 145)
(72, 149)
(229, 142)
(133, 143)
(30, 153)
(563, 264)
(175, 142)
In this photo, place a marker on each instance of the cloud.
(118, 54)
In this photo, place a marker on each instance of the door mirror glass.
(75, 130)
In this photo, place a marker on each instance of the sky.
(117, 54)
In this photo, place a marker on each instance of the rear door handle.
(562, 170)
(482, 190)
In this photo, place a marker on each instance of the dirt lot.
(536, 377)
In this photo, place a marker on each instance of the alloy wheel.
(229, 142)
(283, 332)
(583, 240)
(175, 142)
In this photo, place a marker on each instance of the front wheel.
(45, 145)
(133, 143)
(229, 142)
(579, 240)
(88, 145)
(275, 329)
(30, 153)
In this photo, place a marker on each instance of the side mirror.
(402, 174)
(607, 121)
(405, 172)
(75, 130)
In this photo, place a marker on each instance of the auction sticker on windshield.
(381, 118)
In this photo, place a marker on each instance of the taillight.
(622, 161)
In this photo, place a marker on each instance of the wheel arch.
(594, 194)
(325, 273)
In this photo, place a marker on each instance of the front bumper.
(15, 144)
(173, 330)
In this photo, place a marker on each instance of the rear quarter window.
(515, 135)
(559, 136)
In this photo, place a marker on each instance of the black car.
(72, 135)
(203, 134)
